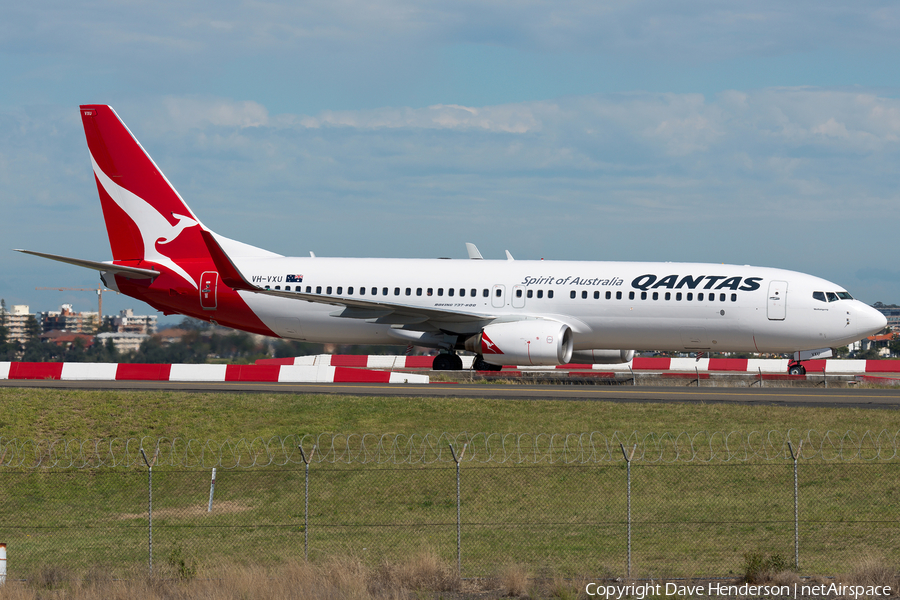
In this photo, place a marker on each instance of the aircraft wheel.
(480, 365)
(446, 362)
(797, 370)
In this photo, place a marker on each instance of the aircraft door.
(208, 283)
(518, 296)
(498, 296)
(776, 303)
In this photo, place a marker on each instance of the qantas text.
(692, 282)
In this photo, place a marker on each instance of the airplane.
(507, 312)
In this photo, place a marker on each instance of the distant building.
(124, 342)
(16, 322)
(128, 322)
(66, 319)
(891, 313)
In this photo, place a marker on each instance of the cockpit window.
(844, 296)
(832, 297)
(820, 296)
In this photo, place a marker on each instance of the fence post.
(150, 464)
(212, 488)
(456, 459)
(795, 457)
(628, 458)
(306, 501)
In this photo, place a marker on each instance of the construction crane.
(98, 290)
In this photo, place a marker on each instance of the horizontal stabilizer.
(106, 267)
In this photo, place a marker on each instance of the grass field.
(687, 519)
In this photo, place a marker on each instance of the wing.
(373, 311)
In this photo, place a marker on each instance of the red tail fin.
(146, 219)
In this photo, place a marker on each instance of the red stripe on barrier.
(601, 374)
(651, 363)
(883, 366)
(30, 370)
(142, 372)
(349, 360)
(681, 375)
(252, 372)
(728, 364)
(350, 375)
(815, 366)
(275, 361)
(570, 367)
(419, 362)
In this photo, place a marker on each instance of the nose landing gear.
(795, 367)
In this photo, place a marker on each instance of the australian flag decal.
(293, 278)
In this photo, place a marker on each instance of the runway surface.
(835, 397)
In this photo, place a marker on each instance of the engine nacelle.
(602, 357)
(530, 342)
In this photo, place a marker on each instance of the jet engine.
(529, 342)
(601, 357)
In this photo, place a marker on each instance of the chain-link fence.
(588, 504)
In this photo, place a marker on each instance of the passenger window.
(418, 291)
(328, 290)
(362, 291)
(396, 291)
(384, 291)
(267, 287)
(430, 291)
(374, 291)
(540, 293)
(618, 295)
(350, 291)
(450, 291)
(700, 296)
(572, 294)
(734, 297)
(287, 287)
(277, 287)
(308, 289)
(609, 295)
(690, 296)
(318, 289)
(678, 297)
(408, 291)
(440, 291)
(631, 295)
(832, 297)
(518, 293)
(549, 293)
(668, 295)
(643, 295)
(584, 294)
(498, 293)
(340, 290)
(597, 295)
(473, 292)
(462, 291)
(530, 293)
(721, 297)
(484, 292)
(656, 295)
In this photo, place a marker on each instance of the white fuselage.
(610, 305)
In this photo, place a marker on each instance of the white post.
(212, 488)
(2, 564)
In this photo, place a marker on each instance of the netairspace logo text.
(641, 591)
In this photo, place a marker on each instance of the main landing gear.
(480, 365)
(446, 361)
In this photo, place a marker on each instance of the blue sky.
(746, 132)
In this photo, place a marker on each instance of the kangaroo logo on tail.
(155, 229)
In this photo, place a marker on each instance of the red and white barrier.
(656, 363)
(215, 373)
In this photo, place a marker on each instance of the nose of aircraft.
(869, 320)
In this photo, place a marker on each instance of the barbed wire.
(589, 448)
